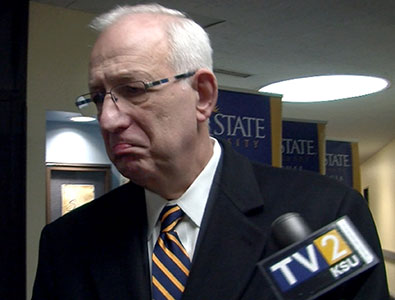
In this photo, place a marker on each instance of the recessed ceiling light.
(82, 119)
(326, 88)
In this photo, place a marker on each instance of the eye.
(97, 97)
(129, 91)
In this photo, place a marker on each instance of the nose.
(112, 118)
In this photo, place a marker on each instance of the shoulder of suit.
(120, 199)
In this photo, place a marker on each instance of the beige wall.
(57, 72)
(378, 174)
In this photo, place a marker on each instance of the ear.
(206, 86)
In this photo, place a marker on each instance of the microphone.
(312, 263)
(289, 228)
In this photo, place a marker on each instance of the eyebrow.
(121, 77)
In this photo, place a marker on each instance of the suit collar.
(237, 179)
(232, 239)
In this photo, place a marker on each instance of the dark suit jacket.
(99, 251)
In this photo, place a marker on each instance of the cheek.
(177, 118)
(167, 129)
(172, 117)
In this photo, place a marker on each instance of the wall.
(58, 53)
(68, 142)
(77, 143)
(378, 174)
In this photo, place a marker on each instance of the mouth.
(126, 149)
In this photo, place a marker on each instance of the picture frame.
(72, 185)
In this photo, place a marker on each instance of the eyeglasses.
(134, 93)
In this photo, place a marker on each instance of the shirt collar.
(193, 201)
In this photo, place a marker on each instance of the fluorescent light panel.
(326, 88)
(82, 119)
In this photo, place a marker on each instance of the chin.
(134, 172)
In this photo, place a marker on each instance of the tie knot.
(169, 217)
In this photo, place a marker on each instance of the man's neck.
(174, 182)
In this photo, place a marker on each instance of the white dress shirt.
(192, 202)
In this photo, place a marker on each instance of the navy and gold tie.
(170, 261)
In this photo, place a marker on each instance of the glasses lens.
(133, 92)
(87, 105)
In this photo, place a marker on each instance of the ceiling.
(272, 40)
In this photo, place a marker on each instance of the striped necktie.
(170, 261)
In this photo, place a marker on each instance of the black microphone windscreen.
(289, 228)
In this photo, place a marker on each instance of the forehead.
(135, 44)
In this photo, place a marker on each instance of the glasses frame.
(80, 103)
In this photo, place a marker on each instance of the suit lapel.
(119, 265)
(232, 237)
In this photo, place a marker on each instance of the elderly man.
(195, 218)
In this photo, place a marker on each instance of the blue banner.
(300, 148)
(244, 121)
(338, 161)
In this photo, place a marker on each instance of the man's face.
(144, 140)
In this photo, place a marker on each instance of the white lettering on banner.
(293, 167)
(299, 147)
(247, 127)
(244, 142)
(337, 160)
(337, 177)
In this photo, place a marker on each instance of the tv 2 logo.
(323, 253)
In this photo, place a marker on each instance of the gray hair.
(189, 44)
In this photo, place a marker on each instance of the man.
(153, 90)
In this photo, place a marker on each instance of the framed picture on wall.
(72, 185)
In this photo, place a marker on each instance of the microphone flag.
(325, 259)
